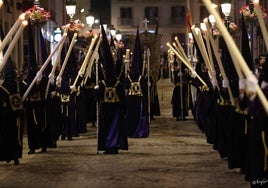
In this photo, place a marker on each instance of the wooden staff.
(11, 32)
(94, 56)
(52, 73)
(39, 73)
(127, 61)
(197, 34)
(84, 64)
(186, 64)
(148, 54)
(261, 21)
(13, 43)
(204, 29)
(219, 62)
(97, 103)
(58, 79)
(237, 58)
(144, 62)
(182, 52)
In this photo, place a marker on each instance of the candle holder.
(250, 14)
(37, 15)
(226, 10)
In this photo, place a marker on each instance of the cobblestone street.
(176, 154)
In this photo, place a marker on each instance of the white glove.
(180, 73)
(242, 83)
(53, 93)
(214, 82)
(193, 74)
(264, 84)
(225, 83)
(38, 76)
(80, 73)
(58, 82)
(51, 78)
(252, 83)
(72, 88)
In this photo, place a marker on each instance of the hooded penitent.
(137, 56)
(108, 63)
(245, 45)
(32, 64)
(9, 68)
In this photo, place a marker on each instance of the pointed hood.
(2, 35)
(32, 63)
(156, 29)
(44, 54)
(112, 45)
(246, 53)
(229, 68)
(227, 61)
(198, 51)
(9, 72)
(137, 55)
(108, 63)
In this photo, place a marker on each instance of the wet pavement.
(176, 154)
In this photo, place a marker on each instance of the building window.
(151, 14)
(125, 16)
(178, 15)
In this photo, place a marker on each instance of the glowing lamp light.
(70, 8)
(90, 20)
(226, 9)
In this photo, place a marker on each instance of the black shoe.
(54, 145)
(70, 138)
(43, 150)
(31, 152)
(177, 119)
(62, 137)
(111, 151)
(16, 162)
(115, 151)
(184, 119)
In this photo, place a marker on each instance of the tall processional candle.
(39, 73)
(234, 49)
(186, 64)
(85, 62)
(261, 22)
(11, 32)
(219, 62)
(13, 43)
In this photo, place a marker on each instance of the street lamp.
(71, 8)
(226, 10)
(36, 2)
(1, 3)
(113, 31)
(90, 21)
(118, 36)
